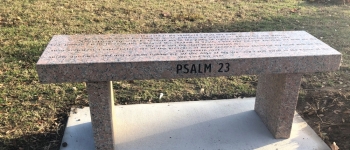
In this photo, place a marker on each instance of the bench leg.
(101, 101)
(276, 100)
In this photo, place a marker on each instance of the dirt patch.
(327, 111)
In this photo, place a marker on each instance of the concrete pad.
(202, 125)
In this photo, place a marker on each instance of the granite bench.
(278, 58)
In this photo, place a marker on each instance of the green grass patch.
(33, 115)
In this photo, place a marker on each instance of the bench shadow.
(78, 137)
(45, 141)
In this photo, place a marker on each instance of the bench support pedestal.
(101, 101)
(276, 100)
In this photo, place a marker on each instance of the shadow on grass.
(47, 141)
(322, 3)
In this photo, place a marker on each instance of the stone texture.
(90, 58)
(101, 102)
(276, 100)
(279, 58)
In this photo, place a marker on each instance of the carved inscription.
(181, 47)
(201, 68)
(193, 68)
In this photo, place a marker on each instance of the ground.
(33, 115)
(327, 109)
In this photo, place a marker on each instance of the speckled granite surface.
(279, 58)
(101, 102)
(88, 58)
(276, 100)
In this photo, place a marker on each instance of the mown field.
(33, 115)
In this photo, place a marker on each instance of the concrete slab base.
(195, 125)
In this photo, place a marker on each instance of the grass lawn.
(33, 115)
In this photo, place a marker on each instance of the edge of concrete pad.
(213, 124)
